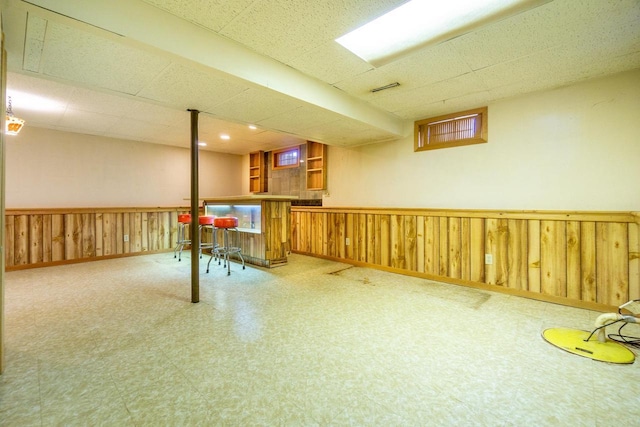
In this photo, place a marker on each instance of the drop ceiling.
(130, 69)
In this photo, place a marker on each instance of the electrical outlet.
(347, 241)
(126, 237)
(488, 259)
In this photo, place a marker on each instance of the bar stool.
(226, 224)
(206, 223)
(183, 221)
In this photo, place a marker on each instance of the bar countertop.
(248, 197)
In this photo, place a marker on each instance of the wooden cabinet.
(257, 172)
(316, 166)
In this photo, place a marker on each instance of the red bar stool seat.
(226, 224)
(183, 222)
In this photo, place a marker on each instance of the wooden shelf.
(316, 166)
(257, 172)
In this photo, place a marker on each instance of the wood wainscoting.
(583, 259)
(42, 237)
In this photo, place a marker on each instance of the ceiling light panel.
(419, 23)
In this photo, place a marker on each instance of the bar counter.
(264, 225)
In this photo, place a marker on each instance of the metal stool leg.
(183, 221)
(223, 252)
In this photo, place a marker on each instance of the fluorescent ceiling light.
(28, 101)
(419, 23)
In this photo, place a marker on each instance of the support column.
(195, 226)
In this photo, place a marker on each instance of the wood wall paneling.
(476, 248)
(46, 236)
(574, 253)
(634, 261)
(553, 258)
(432, 245)
(21, 240)
(58, 237)
(583, 258)
(612, 270)
(588, 276)
(589, 259)
(517, 240)
(534, 275)
(88, 235)
(9, 232)
(454, 231)
(35, 239)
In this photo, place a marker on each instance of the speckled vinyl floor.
(313, 343)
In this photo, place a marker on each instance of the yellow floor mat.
(573, 341)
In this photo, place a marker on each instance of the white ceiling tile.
(153, 113)
(451, 105)
(330, 62)
(429, 65)
(128, 128)
(190, 88)
(254, 105)
(531, 69)
(360, 85)
(287, 29)
(534, 30)
(550, 25)
(74, 55)
(97, 102)
(301, 118)
(400, 99)
(207, 13)
(45, 91)
(87, 122)
(172, 135)
(34, 43)
(274, 138)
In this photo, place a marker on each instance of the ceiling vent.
(389, 86)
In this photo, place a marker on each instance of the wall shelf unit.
(316, 166)
(257, 172)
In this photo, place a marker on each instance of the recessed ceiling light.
(419, 23)
(253, 127)
(224, 136)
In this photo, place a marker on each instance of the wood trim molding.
(600, 216)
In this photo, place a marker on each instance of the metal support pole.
(195, 225)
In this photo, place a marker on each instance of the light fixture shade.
(13, 125)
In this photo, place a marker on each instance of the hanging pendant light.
(13, 124)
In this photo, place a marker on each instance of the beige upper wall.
(573, 148)
(53, 169)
